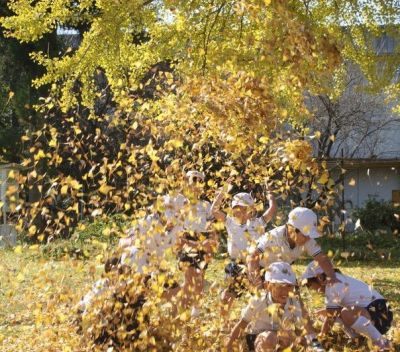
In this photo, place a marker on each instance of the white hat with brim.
(243, 199)
(193, 173)
(280, 273)
(313, 270)
(305, 220)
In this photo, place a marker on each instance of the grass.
(37, 296)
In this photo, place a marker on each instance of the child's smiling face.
(280, 292)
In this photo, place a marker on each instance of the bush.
(363, 245)
(90, 240)
(378, 215)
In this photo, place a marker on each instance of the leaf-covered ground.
(37, 296)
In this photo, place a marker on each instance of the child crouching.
(271, 319)
(360, 307)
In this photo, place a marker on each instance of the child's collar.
(288, 239)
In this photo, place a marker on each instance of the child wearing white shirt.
(196, 242)
(271, 319)
(287, 243)
(359, 306)
(243, 229)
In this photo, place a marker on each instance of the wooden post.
(342, 215)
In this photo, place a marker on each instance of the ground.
(37, 296)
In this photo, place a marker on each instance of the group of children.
(260, 263)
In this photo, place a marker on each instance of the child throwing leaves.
(243, 229)
(196, 242)
(287, 243)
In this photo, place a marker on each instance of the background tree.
(356, 122)
(17, 96)
(238, 75)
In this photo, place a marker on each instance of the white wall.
(375, 183)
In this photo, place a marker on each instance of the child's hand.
(228, 184)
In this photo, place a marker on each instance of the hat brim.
(283, 281)
(313, 233)
(235, 204)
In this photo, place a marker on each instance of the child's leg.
(199, 278)
(188, 288)
(360, 320)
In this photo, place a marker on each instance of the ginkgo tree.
(237, 74)
(229, 101)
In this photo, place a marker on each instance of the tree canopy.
(233, 79)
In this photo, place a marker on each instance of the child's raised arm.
(216, 212)
(271, 211)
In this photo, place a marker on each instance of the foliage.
(156, 88)
(17, 96)
(380, 245)
(39, 296)
(375, 215)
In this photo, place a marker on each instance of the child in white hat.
(287, 243)
(196, 242)
(271, 319)
(358, 305)
(243, 229)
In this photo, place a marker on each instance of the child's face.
(280, 292)
(298, 237)
(242, 213)
(195, 185)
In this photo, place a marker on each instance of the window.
(396, 197)
(384, 45)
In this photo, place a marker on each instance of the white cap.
(305, 220)
(280, 273)
(193, 173)
(313, 270)
(243, 199)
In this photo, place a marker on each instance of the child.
(287, 243)
(358, 305)
(196, 242)
(99, 286)
(271, 320)
(156, 231)
(243, 229)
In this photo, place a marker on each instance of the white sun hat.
(280, 273)
(305, 220)
(313, 270)
(243, 199)
(194, 173)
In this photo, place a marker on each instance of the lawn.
(37, 296)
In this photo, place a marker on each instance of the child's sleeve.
(312, 247)
(250, 310)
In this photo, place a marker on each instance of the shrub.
(363, 245)
(378, 215)
(90, 240)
